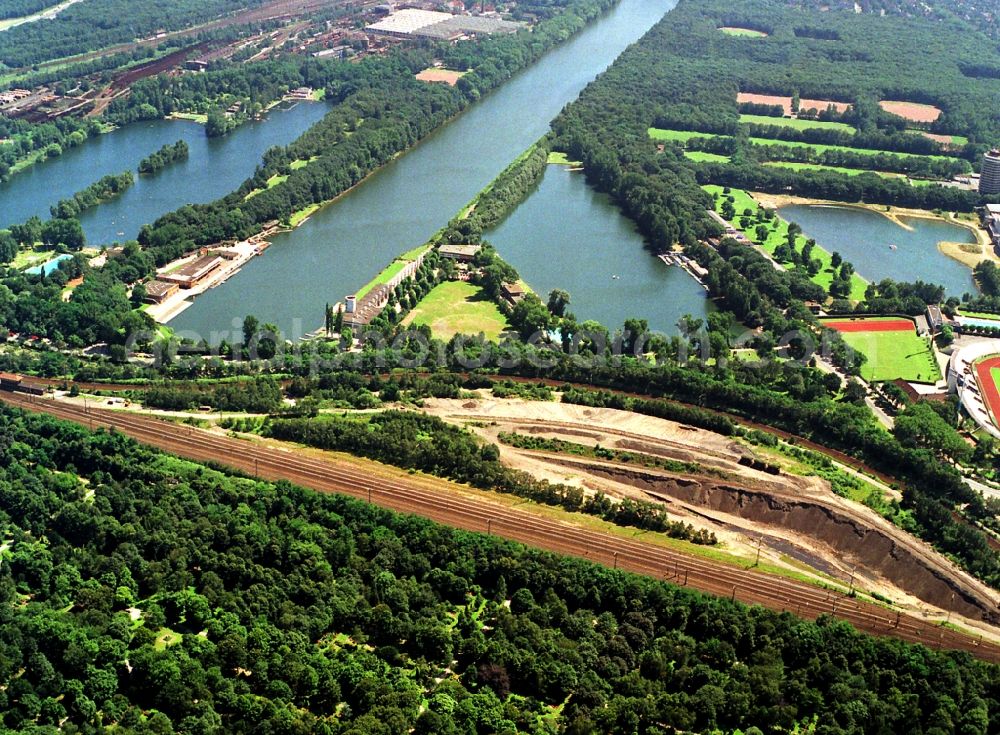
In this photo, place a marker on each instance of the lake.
(566, 235)
(404, 203)
(215, 167)
(863, 237)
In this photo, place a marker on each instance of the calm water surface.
(215, 167)
(864, 238)
(341, 247)
(596, 254)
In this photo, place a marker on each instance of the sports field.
(796, 123)
(988, 375)
(892, 347)
(457, 307)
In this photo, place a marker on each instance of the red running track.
(866, 325)
(988, 386)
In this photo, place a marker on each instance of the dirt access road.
(458, 507)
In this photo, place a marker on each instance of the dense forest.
(146, 594)
(20, 8)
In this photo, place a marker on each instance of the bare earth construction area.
(801, 524)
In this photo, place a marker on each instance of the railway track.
(454, 509)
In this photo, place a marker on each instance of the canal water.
(864, 238)
(566, 235)
(403, 204)
(215, 167)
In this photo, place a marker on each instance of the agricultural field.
(742, 200)
(441, 76)
(796, 123)
(892, 346)
(457, 307)
(957, 141)
(786, 102)
(913, 111)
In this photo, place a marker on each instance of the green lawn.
(197, 117)
(29, 258)
(561, 159)
(296, 219)
(822, 148)
(743, 32)
(894, 355)
(705, 157)
(979, 315)
(796, 123)
(848, 171)
(742, 200)
(682, 136)
(457, 307)
(393, 269)
(677, 136)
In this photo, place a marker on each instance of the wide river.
(865, 238)
(596, 254)
(403, 204)
(215, 167)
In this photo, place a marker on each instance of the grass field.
(297, 217)
(393, 269)
(742, 32)
(795, 166)
(561, 159)
(683, 136)
(894, 354)
(28, 258)
(677, 136)
(979, 315)
(705, 157)
(457, 307)
(742, 200)
(796, 123)
(847, 171)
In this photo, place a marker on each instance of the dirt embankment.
(864, 545)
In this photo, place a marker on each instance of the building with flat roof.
(190, 275)
(9, 381)
(461, 253)
(434, 25)
(158, 291)
(512, 293)
(989, 176)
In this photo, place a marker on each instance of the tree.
(338, 321)
(250, 327)
(558, 301)
(65, 232)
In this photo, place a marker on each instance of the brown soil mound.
(868, 546)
